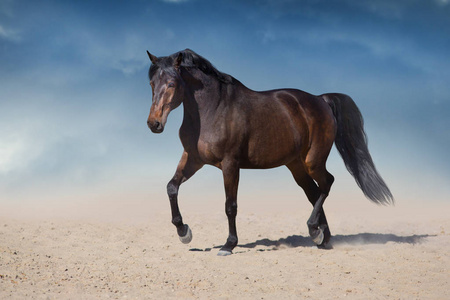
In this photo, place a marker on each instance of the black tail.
(351, 142)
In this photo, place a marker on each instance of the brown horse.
(231, 127)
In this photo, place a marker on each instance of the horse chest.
(208, 154)
(207, 146)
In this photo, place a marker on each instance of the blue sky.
(74, 93)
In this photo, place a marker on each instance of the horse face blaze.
(163, 101)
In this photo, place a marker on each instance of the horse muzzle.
(155, 126)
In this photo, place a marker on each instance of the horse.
(229, 126)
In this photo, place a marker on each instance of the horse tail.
(351, 142)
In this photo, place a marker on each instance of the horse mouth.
(158, 129)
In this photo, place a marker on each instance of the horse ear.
(178, 61)
(153, 58)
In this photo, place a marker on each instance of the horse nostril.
(155, 126)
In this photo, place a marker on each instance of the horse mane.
(190, 60)
(193, 60)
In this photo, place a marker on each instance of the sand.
(399, 252)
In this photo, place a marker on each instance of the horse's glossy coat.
(231, 127)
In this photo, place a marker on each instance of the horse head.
(167, 89)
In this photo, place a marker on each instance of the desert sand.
(130, 250)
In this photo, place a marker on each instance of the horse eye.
(171, 85)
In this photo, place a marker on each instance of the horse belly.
(273, 148)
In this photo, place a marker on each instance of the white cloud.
(9, 34)
(131, 56)
(382, 45)
(124, 52)
(443, 2)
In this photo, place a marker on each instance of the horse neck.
(203, 94)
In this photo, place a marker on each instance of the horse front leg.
(230, 171)
(186, 168)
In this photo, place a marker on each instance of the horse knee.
(172, 189)
(231, 209)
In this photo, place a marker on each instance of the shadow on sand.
(294, 241)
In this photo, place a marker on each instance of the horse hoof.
(224, 253)
(319, 238)
(187, 238)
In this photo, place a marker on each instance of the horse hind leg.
(317, 221)
(320, 233)
(230, 171)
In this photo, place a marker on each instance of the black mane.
(190, 60)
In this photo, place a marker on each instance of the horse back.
(278, 126)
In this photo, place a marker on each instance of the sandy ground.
(399, 252)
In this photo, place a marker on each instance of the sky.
(74, 91)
